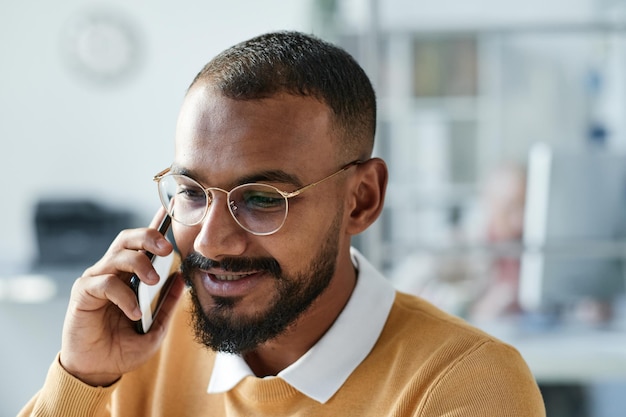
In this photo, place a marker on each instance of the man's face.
(248, 289)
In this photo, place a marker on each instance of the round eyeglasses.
(260, 209)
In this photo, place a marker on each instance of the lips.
(232, 284)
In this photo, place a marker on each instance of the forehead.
(218, 136)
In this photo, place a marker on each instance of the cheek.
(184, 237)
(301, 239)
(292, 249)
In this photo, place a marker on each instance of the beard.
(219, 328)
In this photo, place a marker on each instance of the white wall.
(61, 134)
(64, 135)
(456, 14)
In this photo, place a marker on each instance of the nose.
(219, 234)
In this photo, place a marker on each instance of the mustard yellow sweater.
(426, 363)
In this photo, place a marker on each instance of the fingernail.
(153, 277)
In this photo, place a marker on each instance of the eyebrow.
(271, 176)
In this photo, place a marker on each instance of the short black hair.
(300, 64)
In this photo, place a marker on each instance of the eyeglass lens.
(258, 208)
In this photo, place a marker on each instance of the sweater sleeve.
(64, 395)
(492, 380)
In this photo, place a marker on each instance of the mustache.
(195, 261)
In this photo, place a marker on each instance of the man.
(271, 177)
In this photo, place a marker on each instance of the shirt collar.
(321, 371)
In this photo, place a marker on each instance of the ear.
(368, 195)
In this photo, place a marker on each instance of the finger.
(128, 254)
(146, 239)
(123, 264)
(94, 293)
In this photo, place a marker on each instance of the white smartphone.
(150, 297)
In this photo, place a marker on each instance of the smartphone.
(150, 297)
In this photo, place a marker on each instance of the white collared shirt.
(321, 371)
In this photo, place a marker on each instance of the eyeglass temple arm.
(345, 167)
(160, 174)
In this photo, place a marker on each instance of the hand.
(99, 342)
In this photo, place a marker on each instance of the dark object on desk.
(563, 400)
(76, 232)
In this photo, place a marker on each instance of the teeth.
(229, 277)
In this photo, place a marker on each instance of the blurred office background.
(503, 123)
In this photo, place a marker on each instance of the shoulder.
(419, 330)
(452, 364)
(417, 317)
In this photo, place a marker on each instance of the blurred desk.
(31, 331)
(564, 354)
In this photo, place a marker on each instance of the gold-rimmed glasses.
(258, 208)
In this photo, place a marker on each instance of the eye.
(188, 191)
(191, 193)
(261, 198)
